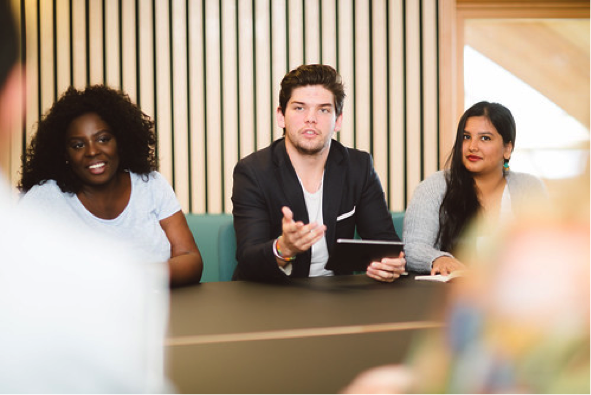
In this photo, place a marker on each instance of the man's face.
(310, 120)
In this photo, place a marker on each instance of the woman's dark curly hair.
(45, 159)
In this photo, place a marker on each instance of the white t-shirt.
(319, 253)
(80, 313)
(152, 200)
(319, 249)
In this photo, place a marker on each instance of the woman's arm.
(421, 224)
(185, 264)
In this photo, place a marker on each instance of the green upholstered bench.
(206, 231)
(215, 237)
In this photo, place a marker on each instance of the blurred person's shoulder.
(99, 307)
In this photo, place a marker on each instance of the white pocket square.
(346, 215)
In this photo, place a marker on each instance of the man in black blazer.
(294, 198)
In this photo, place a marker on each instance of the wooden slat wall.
(209, 72)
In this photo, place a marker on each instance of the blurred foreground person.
(519, 323)
(79, 313)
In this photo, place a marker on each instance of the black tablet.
(356, 255)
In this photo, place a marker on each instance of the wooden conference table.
(310, 335)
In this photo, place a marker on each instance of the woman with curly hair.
(477, 185)
(92, 161)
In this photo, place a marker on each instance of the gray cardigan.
(421, 220)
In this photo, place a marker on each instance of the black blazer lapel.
(287, 179)
(334, 180)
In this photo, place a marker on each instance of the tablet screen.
(356, 255)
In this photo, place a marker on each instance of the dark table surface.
(309, 335)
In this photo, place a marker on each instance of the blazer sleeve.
(253, 226)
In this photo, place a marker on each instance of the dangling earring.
(506, 165)
(67, 162)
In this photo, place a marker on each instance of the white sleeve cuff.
(286, 269)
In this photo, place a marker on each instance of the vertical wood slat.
(112, 44)
(197, 107)
(162, 80)
(230, 98)
(128, 43)
(208, 71)
(311, 32)
(397, 114)
(430, 91)
(246, 121)
(179, 93)
(329, 33)
(213, 98)
(95, 41)
(362, 77)
(79, 61)
(262, 85)
(62, 45)
(346, 62)
(46, 44)
(413, 98)
(31, 68)
(379, 110)
(295, 33)
(279, 63)
(10, 153)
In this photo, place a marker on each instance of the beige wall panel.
(396, 110)
(128, 41)
(31, 70)
(362, 77)
(46, 86)
(264, 119)
(345, 69)
(379, 112)
(62, 9)
(247, 51)
(95, 33)
(230, 98)
(430, 99)
(112, 57)
(10, 154)
(329, 33)
(146, 59)
(213, 114)
(447, 77)
(295, 34)
(162, 90)
(79, 44)
(196, 111)
(413, 98)
(312, 32)
(180, 110)
(279, 53)
(246, 78)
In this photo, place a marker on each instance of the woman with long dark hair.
(478, 184)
